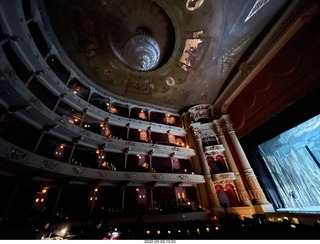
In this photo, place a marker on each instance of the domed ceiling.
(167, 53)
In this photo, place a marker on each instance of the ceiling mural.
(167, 53)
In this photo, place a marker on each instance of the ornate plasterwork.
(197, 134)
(78, 170)
(17, 153)
(50, 164)
(254, 185)
(157, 176)
(103, 174)
(243, 194)
(130, 175)
(216, 149)
(183, 177)
(223, 178)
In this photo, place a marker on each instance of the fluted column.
(213, 199)
(254, 185)
(242, 192)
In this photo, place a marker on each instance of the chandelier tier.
(142, 52)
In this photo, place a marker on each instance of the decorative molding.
(49, 164)
(78, 170)
(197, 135)
(224, 176)
(157, 176)
(17, 153)
(216, 149)
(183, 177)
(103, 174)
(130, 175)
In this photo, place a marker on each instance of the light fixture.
(142, 52)
(170, 81)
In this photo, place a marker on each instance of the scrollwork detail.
(130, 175)
(157, 176)
(50, 164)
(183, 177)
(78, 170)
(17, 153)
(103, 174)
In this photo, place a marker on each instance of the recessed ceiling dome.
(142, 52)
(140, 34)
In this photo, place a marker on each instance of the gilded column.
(254, 185)
(213, 199)
(242, 192)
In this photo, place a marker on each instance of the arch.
(221, 164)
(215, 169)
(229, 189)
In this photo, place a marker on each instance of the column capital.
(228, 123)
(220, 131)
(197, 134)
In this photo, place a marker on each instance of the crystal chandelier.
(142, 52)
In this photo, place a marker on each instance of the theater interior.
(159, 119)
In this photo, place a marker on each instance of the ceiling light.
(170, 81)
(192, 5)
(142, 52)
